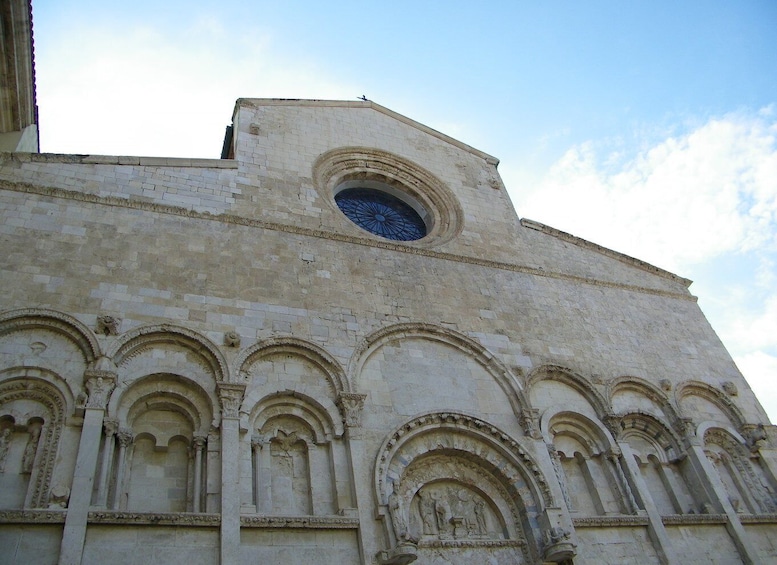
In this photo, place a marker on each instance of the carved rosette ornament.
(231, 396)
(351, 405)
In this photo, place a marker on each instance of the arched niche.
(297, 463)
(416, 368)
(161, 419)
(32, 414)
(453, 481)
(749, 488)
(592, 480)
(659, 455)
(164, 392)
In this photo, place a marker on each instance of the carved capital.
(199, 442)
(231, 396)
(125, 437)
(613, 454)
(351, 405)
(111, 426)
(258, 441)
(613, 424)
(530, 421)
(99, 385)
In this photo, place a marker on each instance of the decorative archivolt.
(322, 418)
(714, 396)
(574, 381)
(646, 426)
(164, 392)
(310, 352)
(451, 479)
(475, 438)
(29, 385)
(145, 337)
(51, 320)
(589, 432)
(642, 387)
(502, 375)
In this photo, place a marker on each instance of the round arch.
(141, 338)
(58, 322)
(712, 395)
(312, 353)
(506, 380)
(575, 382)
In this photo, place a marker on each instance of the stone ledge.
(610, 521)
(758, 518)
(154, 518)
(693, 519)
(441, 543)
(32, 516)
(301, 522)
(178, 162)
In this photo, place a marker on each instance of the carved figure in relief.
(398, 520)
(443, 511)
(480, 517)
(556, 535)
(426, 507)
(108, 325)
(758, 438)
(5, 444)
(28, 459)
(232, 339)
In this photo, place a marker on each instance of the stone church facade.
(339, 344)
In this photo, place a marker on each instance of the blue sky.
(646, 127)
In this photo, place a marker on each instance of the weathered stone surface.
(206, 361)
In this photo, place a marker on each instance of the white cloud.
(679, 202)
(702, 201)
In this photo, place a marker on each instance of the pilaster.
(230, 396)
(99, 385)
(708, 477)
(656, 530)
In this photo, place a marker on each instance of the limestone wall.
(206, 361)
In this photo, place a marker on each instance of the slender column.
(125, 439)
(656, 530)
(111, 427)
(589, 475)
(231, 396)
(257, 442)
(99, 384)
(621, 482)
(681, 502)
(199, 445)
